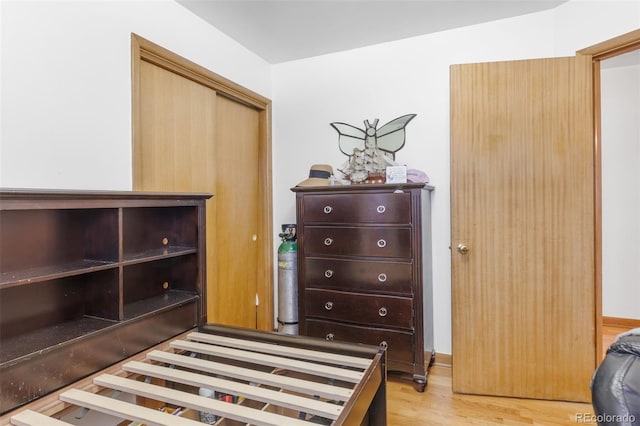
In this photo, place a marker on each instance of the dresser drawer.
(368, 309)
(382, 208)
(399, 344)
(359, 275)
(357, 241)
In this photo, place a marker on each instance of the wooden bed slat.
(293, 402)
(196, 402)
(274, 361)
(247, 374)
(33, 418)
(288, 351)
(124, 410)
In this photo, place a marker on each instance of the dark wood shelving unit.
(88, 278)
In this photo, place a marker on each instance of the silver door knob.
(462, 249)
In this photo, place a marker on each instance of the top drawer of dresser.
(379, 207)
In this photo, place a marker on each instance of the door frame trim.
(604, 50)
(147, 51)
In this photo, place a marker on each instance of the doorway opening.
(616, 74)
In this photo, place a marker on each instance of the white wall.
(66, 94)
(621, 191)
(66, 84)
(412, 76)
(386, 81)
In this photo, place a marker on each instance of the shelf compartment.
(33, 342)
(34, 375)
(58, 301)
(165, 278)
(33, 240)
(154, 304)
(152, 229)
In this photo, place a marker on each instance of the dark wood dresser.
(364, 270)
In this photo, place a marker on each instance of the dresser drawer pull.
(382, 312)
(329, 337)
(381, 209)
(382, 243)
(384, 344)
(329, 306)
(328, 273)
(327, 209)
(382, 277)
(328, 241)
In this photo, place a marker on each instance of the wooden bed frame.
(272, 379)
(119, 333)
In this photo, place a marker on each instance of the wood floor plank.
(438, 405)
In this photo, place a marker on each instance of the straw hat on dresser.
(319, 175)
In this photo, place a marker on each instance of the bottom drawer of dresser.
(400, 345)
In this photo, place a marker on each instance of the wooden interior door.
(522, 214)
(188, 136)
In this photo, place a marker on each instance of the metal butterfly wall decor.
(370, 150)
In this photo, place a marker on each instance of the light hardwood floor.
(438, 405)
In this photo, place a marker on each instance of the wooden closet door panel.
(166, 106)
(235, 284)
(176, 143)
(522, 201)
(192, 139)
(178, 117)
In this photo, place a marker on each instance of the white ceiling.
(285, 30)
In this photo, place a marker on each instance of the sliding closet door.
(523, 233)
(237, 213)
(191, 137)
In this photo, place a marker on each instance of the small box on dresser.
(364, 270)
